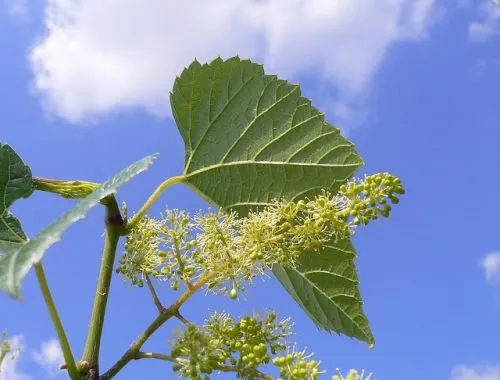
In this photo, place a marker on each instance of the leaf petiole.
(151, 200)
(63, 339)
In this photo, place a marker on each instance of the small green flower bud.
(174, 285)
(233, 294)
(176, 367)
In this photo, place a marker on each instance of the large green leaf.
(251, 138)
(15, 182)
(17, 258)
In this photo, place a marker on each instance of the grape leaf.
(15, 183)
(251, 138)
(17, 258)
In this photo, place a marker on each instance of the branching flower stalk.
(224, 253)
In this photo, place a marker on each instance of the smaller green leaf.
(325, 284)
(17, 258)
(15, 183)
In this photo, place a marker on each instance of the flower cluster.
(163, 249)
(240, 346)
(230, 250)
(6, 349)
(353, 375)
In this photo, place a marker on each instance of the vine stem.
(63, 339)
(151, 200)
(164, 316)
(114, 229)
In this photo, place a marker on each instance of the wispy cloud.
(17, 8)
(491, 266)
(49, 357)
(488, 372)
(488, 25)
(97, 56)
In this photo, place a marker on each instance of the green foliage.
(251, 138)
(277, 146)
(282, 178)
(16, 259)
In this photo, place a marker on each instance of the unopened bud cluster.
(298, 366)
(368, 197)
(231, 251)
(241, 347)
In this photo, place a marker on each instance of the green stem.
(152, 355)
(49, 301)
(164, 316)
(151, 200)
(114, 229)
(156, 299)
(178, 257)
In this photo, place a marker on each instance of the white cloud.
(482, 31)
(49, 357)
(488, 25)
(98, 55)
(491, 266)
(17, 8)
(9, 370)
(490, 372)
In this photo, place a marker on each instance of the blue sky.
(414, 84)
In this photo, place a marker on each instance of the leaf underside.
(250, 139)
(329, 283)
(17, 258)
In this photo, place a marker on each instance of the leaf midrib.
(4, 201)
(253, 162)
